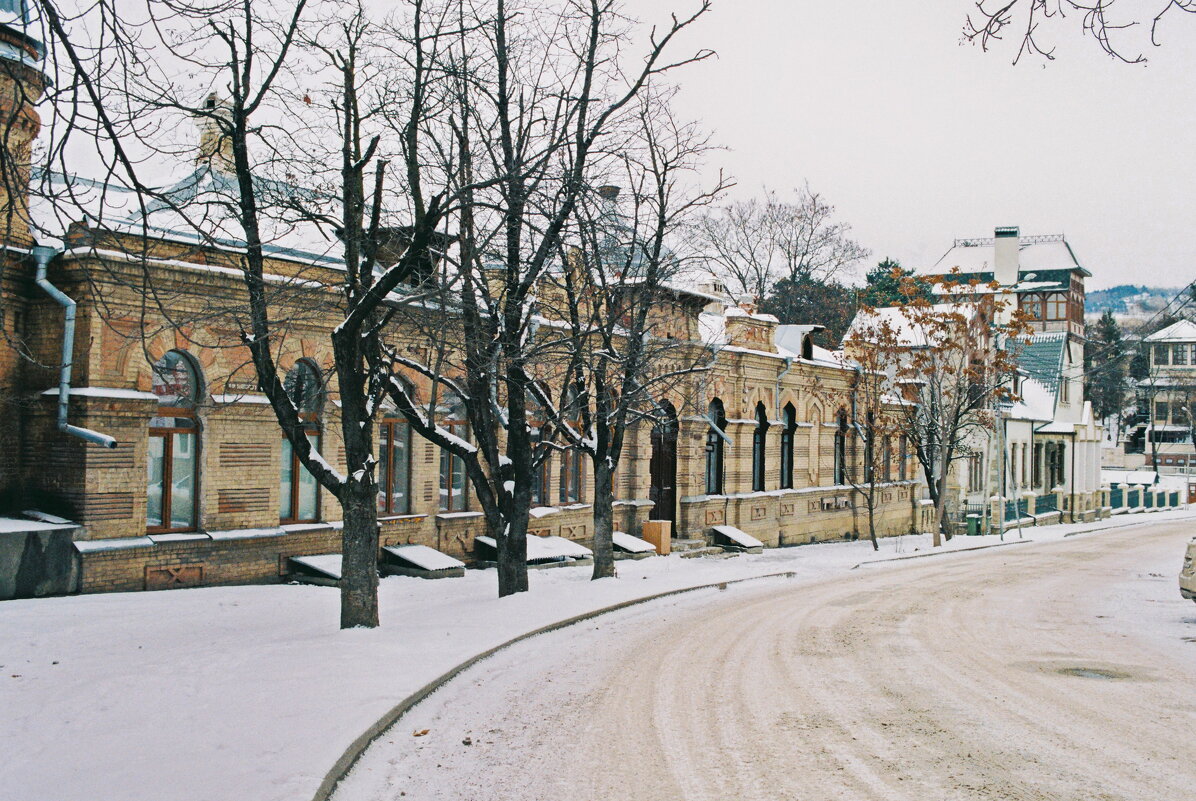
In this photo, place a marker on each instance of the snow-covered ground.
(253, 692)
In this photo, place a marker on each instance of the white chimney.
(1005, 246)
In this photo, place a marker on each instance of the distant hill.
(1129, 299)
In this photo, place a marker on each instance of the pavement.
(1055, 670)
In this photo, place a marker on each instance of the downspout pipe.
(42, 255)
(780, 377)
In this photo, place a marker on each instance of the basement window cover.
(541, 549)
(738, 537)
(630, 544)
(328, 564)
(423, 558)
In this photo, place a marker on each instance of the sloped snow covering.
(626, 542)
(541, 548)
(739, 537)
(329, 564)
(424, 557)
(538, 547)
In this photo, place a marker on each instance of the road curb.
(942, 553)
(353, 753)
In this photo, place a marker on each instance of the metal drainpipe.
(777, 397)
(42, 255)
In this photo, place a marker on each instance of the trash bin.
(973, 525)
(659, 533)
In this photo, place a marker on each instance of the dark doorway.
(663, 467)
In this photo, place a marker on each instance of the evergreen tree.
(808, 300)
(883, 285)
(1105, 362)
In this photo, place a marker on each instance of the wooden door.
(663, 469)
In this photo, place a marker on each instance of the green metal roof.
(1041, 356)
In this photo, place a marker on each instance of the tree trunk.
(359, 558)
(604, 512)
(872, 522)
(512, 554)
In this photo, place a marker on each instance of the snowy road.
(1063, 670)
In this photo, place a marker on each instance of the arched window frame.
(454, 484)
(394, 459)
(572, 464)
(789, 416)
(715, 439)
(172, 465)
(841, 450)
(759, 448)
(298, 490)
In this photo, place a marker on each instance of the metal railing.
(1116, 497)
(1045, 504)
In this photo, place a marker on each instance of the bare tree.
(626, 344)
(1028, 19)
(874, 398)
(952, 362)
(754, 243)
(539, 99)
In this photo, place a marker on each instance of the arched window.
(759, 448)
(298, 491)
(870, 444)
(787, 434)
(841, 450)
(394, 479)
(173, 465)
(454, 494)
(572, 467)
(714, 447)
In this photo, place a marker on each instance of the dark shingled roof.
(1041, 356)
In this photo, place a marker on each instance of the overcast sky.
(918, 139)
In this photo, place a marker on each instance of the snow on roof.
(115, 393)
(1035, 401)
(11, 525)
(544, 548)
(741, 538)
(1034, 253)
(735, 311)
(626, 542)
(905, 330)
(1041, 355)
(712, 328)
(329, 564)
(424, 557)
(1128, 476)
(1183, 331)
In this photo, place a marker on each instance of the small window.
(902, 458)
(298, 490)
(1162, 354)
(841, 450)
(1032, 306)
(173, 463)
(394, 481)
(1056, 306)
(787, 436)
(717, 421)
(759, 448)
(454, 493)
(570, 478)
(1179, 354)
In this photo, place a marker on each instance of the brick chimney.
(215, 146)
(1006, 243)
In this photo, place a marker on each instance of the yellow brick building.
(200, 488)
